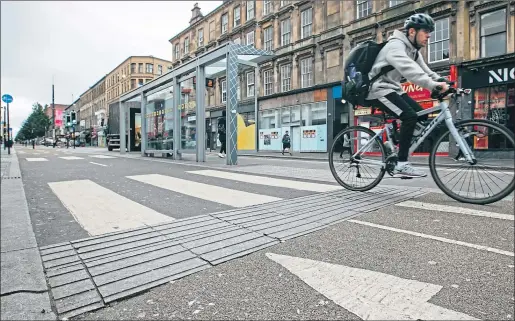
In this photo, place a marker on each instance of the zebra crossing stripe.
(455, 209)
(207, 192)
(268, 181)
(99, 210)
(71, 157)
(36, 159)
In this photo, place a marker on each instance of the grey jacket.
(400, 53)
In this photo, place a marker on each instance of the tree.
(35, 125)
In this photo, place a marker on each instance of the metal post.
(231, 107)
(256, 108)
(121, 105)
(8, 133)
(201, 114)
(176, 119)
(4, 129)
(143, 123)
(53, 115)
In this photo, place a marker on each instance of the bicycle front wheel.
(490, 178)
(357, 171)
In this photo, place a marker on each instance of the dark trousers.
(405, 108)
(223, 141)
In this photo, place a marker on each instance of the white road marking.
(436, 238)
(98, 164)
(21, 152)
(454, 209)
(369, 294)
(101, 156)
(208, 192)
(261, 180)
(71, 157)
(99, 210)
(36, 159)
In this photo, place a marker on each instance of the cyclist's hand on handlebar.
(442, 87)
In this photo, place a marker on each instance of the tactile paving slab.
(87, 274)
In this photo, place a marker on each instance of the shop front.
(306, 124)
(493, 96)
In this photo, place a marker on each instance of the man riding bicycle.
(401, 52)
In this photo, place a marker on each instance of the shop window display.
(159, 121)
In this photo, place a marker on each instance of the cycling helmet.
(420, 21)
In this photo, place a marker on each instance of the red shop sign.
(416, 92)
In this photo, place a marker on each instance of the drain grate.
(86, 274)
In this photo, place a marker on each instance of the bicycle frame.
(444, 116)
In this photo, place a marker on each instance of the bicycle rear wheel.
(350, 171)
(491, 178)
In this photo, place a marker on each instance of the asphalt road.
(457, 259)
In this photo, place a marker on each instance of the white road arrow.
(368, 294)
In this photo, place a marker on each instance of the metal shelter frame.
(224, 59)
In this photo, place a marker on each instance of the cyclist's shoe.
(406, 170)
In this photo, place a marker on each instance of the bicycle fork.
(462, 143)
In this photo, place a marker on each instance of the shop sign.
(416, 92)
(192, 118)
(362, 111)
(488, 76)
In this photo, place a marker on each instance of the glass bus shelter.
(172, 117)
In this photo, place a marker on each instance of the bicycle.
(478, 132)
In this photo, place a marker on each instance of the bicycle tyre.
(333, 150)
(432, 166)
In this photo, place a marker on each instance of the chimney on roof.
(196, 15)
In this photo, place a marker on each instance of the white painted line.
(99, 210)
(71, 157)
(21, 152)
(36, 159)
(211, 193)
(369, 294)
(98, 164)
(454, 209)
(261, 180)
(437, 238)
(101, 156)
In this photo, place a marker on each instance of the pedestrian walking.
(222, 134)
(346, 145)
(287, 143)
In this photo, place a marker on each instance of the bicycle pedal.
(406, 177)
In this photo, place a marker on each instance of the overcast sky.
(79, 42)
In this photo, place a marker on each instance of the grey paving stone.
(58, 255)
(190, 238)
(82, 310)
(26, 306)
(110, 236)
(225, 243)
(262, 220)
(248, 218)
(239, 249)
(267, 225)
(72, 289)
(68, 278)
(296, 231)
(144, 267)
(135, 260)
(52, 246)
(67, 246)
(201, 220)
(116, 242)
(153, 275)
(125, 246)
(65, 261)
(51, 272)
(216, 240)
(77, 301)
(150, 285)
(181, 232)
(22, 271)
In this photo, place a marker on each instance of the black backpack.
(221, 126)
(356, 84)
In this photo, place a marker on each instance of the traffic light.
(74, 119)
(68, 120)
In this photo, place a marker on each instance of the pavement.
(24, 292)
(131, 237)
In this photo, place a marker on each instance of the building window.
(140, 82)
(285, 32)
(237, 17)
(177, 51)
(364, 8)
(133, 68)
(268, 82)
(439, 41)
(150, 68)
(224, 91)
(267, 7)
(493, 33)
(159, 69)
(186, 46)
(250, 38)
(238, 89)
(237, 41)
(306, 23)
(250, 10)
(269, 39)
(285, 2)
(140, 69)
(250, 84)
(285, 78)
(306, 72)
(225, 23)
(394, 3)
(200, 37)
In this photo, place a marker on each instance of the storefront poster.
(313, 138)
(416, 92)
(270, 139)
(246, 134)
